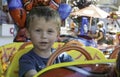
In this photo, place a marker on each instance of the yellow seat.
(57, 45)
(29, 44)
(1, 71)
(96, 55)
(94, 52)
(26, 45)
(69, 48)
(13, 69)
(6, 52)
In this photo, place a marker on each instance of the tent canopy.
(91, 11)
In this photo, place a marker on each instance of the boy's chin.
(43, 48)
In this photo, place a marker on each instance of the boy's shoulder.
(27, 55)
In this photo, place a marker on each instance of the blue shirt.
(31, 61)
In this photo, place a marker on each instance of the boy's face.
(42, 33)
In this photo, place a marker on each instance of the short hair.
(43, 12)
(100, 25)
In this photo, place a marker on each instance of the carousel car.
(84, 67)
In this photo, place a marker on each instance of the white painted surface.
(5, 36)
(7, 30)
(6, 40)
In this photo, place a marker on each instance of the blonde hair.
(100, 25)
(43, 12)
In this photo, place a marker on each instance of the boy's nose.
(44, 35)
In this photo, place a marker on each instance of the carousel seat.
(29, 44)
(91, 68)
(13, 67)
(94, 52)
(6, 53)
(88, 68)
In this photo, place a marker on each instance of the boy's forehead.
(43, 21)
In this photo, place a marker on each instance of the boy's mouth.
(43, 43)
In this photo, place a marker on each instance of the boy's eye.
(38, 30)
(50, 31)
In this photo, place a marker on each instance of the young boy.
(43, 25)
